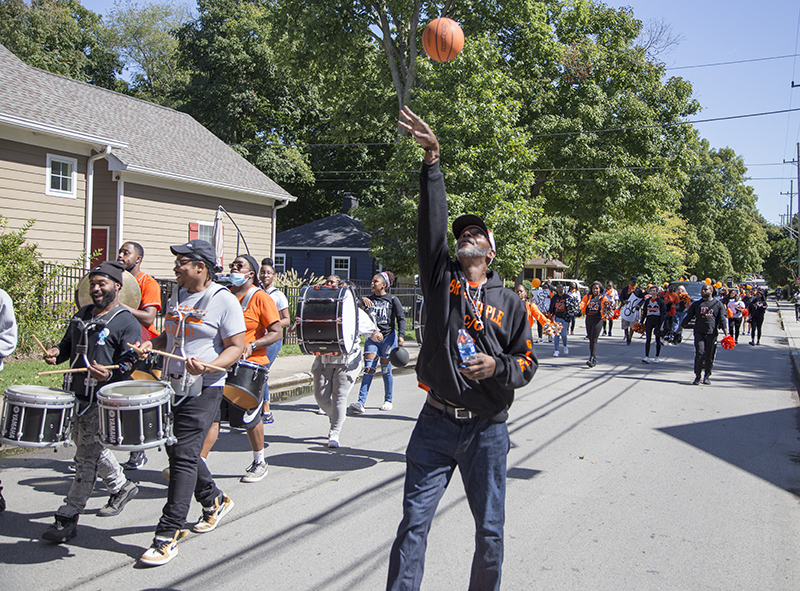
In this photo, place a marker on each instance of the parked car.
(567, 282)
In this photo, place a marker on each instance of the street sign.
(693, 278)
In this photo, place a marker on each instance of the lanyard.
(473, 302)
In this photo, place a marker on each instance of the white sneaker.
(387, 406)
(555, 353)
(645, 360)
(656, 360)
(566, 350)
(163, 549)
(333, 441)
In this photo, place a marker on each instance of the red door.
(99, 243)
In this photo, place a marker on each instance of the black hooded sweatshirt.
(506, 334)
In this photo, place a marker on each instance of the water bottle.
(466, 346)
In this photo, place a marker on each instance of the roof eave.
(57, 131)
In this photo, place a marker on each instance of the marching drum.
(244, 386)
(135, 415)
(328, 321)
(37, 416)
(149, 368)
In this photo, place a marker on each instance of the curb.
(794, 354)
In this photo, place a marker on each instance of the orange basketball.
(443, 39)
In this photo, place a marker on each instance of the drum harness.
(84, 326)
(187, 379)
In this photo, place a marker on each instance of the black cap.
(463, 222)
(197, 250)
(111, 269)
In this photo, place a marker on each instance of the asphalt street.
(621, 477)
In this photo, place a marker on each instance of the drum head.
(349, 321)
(132, 388)
(33, 392)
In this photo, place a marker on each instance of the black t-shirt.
(386, 310)
(709, 316)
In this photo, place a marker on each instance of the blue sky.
(716, 31)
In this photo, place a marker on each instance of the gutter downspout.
(275, 208)
(87, 243)
(120, 212)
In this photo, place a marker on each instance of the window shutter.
(328, 266)
(353, 268)
(194, 230)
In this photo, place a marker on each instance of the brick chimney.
(349, 201)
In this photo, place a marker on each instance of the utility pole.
(787, 218)
(796, 162)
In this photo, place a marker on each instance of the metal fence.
(63, 283)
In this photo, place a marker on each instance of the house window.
(62, 176)
(280, 263)
(341, 267)
(205, 231)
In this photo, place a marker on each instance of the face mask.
(238, 278)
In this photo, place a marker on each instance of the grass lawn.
(19, 372)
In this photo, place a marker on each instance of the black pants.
(610, 326)
(756, 323)
(593, 326)
(649, 327)
(705, 347)
(187, 472)
(734, 324)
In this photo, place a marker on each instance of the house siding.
(23, 181)
(159, 218)
(318, 262)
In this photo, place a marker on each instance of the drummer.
(205, 325)
(263, 328)
(97, 336)
(131, 255)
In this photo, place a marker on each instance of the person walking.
(560, 312)
(735, 308)
(463, 421)
(267, 277)
(756, 312)
(8, 343)
(612, 296)
(709, 316)
(592, 307)
(654, 313)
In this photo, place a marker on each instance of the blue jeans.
(272, 353)
(382, 350)
(677, 319)
(438, 444)
(562, 333)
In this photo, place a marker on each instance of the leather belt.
(454, 411)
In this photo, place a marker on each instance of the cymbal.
(130, 294)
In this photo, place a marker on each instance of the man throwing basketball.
(463, 422)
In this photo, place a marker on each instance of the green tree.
(143, 35)
(60, 36)
(779, 268)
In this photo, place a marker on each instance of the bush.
(23, 278)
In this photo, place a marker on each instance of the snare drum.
(149, 368)
(244, 385)
(328, 321)
(135, 415)
(37, 416)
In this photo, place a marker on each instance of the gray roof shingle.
(336, 231)
(152, 139)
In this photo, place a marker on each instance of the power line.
(758, 59)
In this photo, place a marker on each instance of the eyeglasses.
(237, 265)
(182, 262)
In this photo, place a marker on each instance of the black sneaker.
(136, 460)
(116, 502)
(706, 380)
(696, 381)
(63, 530)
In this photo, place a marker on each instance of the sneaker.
(549, 339)
(592, 362)
(255, 472)
(357, 408)
(566, 350)
(72, 468)
(696, 381)
(555, 353)
(267, 418)
(645, 360)
(706, 380)
(117, 501)
(752, 343)
(387, 406)
(136, 460)
(162, 550)
(319, 411)
(333, 441)
(63, 530)
(609, 333)
(539, 340)
(656, 360)
(212, 515)
(604, 334)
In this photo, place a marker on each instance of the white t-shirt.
(204, 337)
(277, 296)
(736, 307)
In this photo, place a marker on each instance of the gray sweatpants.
(91, 460)
(332, 385)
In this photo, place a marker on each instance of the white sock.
(258, 456)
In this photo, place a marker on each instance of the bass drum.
(135, 416)
(37, 416)
(419, 319)
(327, 321)
(149, 368)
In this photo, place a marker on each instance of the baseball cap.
(463, 222)
(111, 269)
(197, 250)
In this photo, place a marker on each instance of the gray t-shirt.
(203, 336)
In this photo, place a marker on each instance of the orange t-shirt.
(261, 312)
(534, 315)
(151, 296)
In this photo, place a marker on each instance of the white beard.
(471, 251)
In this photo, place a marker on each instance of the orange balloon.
(718, 284)
(708, 280)
(536, 283)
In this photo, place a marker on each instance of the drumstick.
(73, 370)
(38, 342)
(178, 357)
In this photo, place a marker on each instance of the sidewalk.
(792, 329)
(293, 371)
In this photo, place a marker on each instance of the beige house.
(95, 168)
